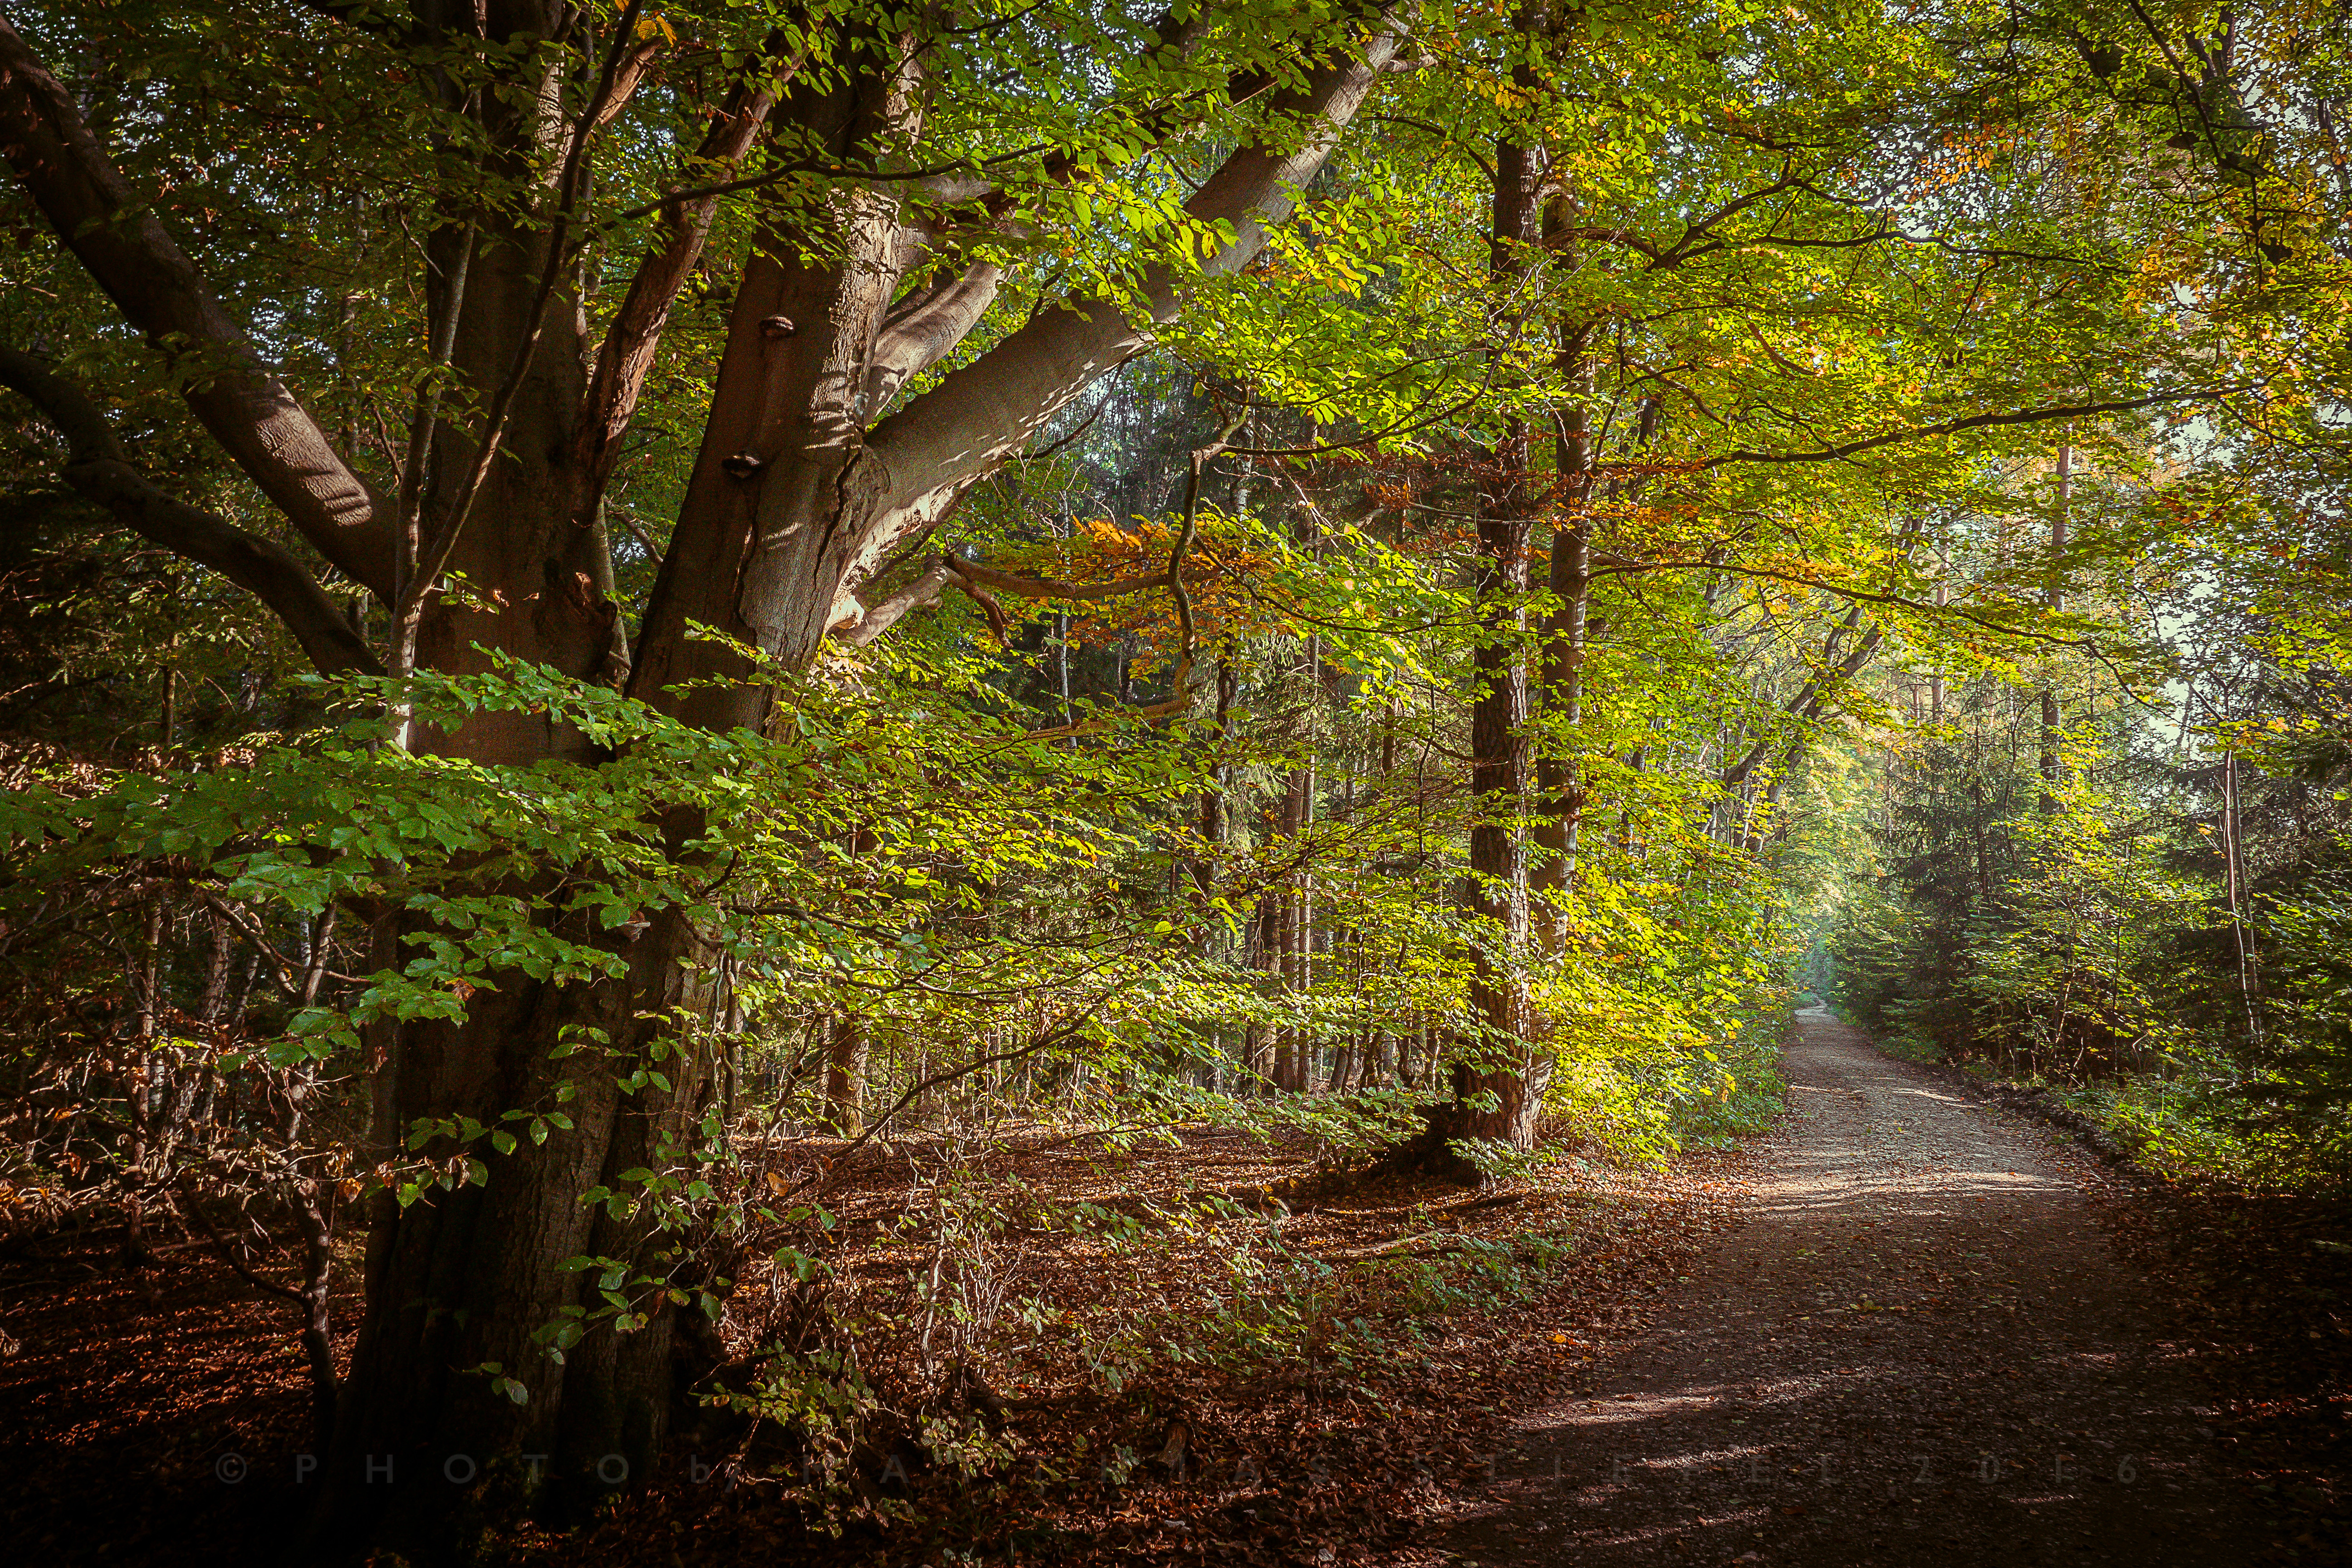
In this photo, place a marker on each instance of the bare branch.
(1180, 694)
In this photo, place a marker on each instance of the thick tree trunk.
(462, 1282)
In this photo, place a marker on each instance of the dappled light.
(1259, 782)
(1908, 1360)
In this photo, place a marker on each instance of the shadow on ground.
(1921, 1348)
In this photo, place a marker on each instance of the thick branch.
(981, 414)
(888, 612)
(422, 573)
(97, 466)
(627, 351)
(159, 289)
(924, 327)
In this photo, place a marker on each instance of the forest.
(1001, 780)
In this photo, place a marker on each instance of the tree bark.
(1561, 790)
(844, 1077)
(795, 497)
(2056, 599)
(1495, 1096)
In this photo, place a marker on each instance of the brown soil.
(1923, 1347)
(1746, 1358)
(138, 1408)
(159, 1419)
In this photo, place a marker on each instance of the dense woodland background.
(1437, 568)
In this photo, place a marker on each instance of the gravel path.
(1921, 1348)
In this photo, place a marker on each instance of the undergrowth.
(984, 1294)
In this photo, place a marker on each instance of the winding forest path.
(1921, 1349)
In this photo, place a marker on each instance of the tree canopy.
(592, 592)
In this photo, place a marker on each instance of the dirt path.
(1921, 1348)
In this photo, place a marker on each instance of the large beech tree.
(861, 185)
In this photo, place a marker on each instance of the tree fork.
(796, 495)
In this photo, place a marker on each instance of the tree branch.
(626, 354)
(159, 289)
(433, 553)
(1051, 587)
(1620, 566)
(1953, 427)
(97, 466)
(1180, 695)
(192, 1205)
(1808, 703)
(886, 613)
(923, 328)
(982, 413)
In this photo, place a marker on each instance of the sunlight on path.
(1921, 1349)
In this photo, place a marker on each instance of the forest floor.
(1910, 1325)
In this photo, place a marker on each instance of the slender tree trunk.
(2056, 599)
(845, 1075)
(2233, 876)
(140, 1082)
(1290, 927)
(1943, 597)
(1495, 1096)
(1213, 805)
(1560, 792)
(1259, 1056)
